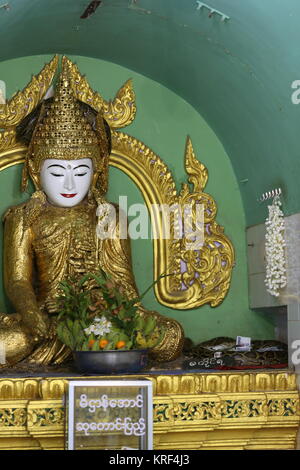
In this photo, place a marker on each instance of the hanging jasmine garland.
(275, 249)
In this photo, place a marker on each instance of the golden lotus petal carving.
(21, 104)
(119, 112)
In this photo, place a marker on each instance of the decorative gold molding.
(186, 415)
(163, 385)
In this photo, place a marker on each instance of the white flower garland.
(275, 253)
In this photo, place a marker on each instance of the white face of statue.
(66, 182)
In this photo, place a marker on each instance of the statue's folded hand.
(37, 323)
(52, 332)
(9, 320)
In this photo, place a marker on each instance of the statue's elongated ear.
(108, 135)
(34, 174)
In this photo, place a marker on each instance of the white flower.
(100, 327)
(275, 255)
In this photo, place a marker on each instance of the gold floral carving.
(256, 406)
(119, 112)
(198, 276)
(7, 140)
(196, 411)
(12, 417)
(43, 417)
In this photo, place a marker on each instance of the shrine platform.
(192, 410)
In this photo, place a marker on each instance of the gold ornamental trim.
(266, 416)
(119, 112)
(8, 140)
(12, 157)
(163, 385)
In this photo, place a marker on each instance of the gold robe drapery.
(42, 249)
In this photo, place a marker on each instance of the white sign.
(110, 414)
(243, 343)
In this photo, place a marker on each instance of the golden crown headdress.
(64, 132)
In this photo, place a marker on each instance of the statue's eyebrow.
(50, 166)
(79, 166)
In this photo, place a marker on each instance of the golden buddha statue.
(52, 236)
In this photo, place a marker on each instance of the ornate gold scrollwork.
(7, 140)
(199, 276)
(118, 113)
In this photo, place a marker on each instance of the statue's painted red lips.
(68, 195)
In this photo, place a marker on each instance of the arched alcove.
(163, 121)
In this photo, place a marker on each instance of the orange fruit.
(91, 343)
(103, 343)
(120, 344)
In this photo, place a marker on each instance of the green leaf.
(153, 284)
(140, 323)
(65, 336)
(95, 346)
(150, 324)
(69, 324)
(123, 337)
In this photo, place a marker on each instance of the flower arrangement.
(275, 249)
(96, 315)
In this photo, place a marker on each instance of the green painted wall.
(163, 121)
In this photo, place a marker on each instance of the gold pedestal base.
(242, 410)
